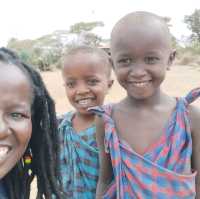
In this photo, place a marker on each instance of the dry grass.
(179, 80)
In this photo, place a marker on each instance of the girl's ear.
(171, 59)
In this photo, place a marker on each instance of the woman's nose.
(3, 128)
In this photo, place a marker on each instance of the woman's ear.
(171, 58)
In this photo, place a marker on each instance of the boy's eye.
(151, 60)
(125, 61)
(92, 82)
(70, 84)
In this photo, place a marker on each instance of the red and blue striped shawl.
(159, 172)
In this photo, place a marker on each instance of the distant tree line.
(45, 53)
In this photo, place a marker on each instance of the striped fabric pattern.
(79, 163)
(159, 173)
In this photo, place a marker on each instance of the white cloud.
(33, 18)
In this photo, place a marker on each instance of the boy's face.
(15, 116)
(86, 81)
(141, 55)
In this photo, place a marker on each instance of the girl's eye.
(151, 60)
(92, 82)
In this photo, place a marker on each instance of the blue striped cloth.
(79, 160)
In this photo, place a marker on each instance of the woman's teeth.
(3, 152)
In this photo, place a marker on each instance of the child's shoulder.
(64, 117)
(101, 110)
(194, 110)
(192, 95)
(194, 116)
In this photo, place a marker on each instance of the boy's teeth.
(84, 102)
(140, 84)
(3, 152)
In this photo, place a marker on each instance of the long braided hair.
(43, 147)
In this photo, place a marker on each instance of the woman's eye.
(17, 116)
(151, 60)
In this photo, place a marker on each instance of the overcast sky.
(29, 19)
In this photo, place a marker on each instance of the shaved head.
(140, 22)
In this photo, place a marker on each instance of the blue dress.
(79, 163)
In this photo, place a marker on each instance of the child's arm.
(106, 172)
(194, 114)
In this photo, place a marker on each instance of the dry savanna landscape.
(179, 81)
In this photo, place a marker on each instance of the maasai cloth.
(3, 194)
(159, 173)
(79, 160)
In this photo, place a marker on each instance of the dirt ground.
(179, 81)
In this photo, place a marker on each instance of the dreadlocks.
(43, 147)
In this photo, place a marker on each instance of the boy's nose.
(82, 89)
(137, 71)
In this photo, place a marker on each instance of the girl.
(86, 75)
(152, 140)
(28, 135)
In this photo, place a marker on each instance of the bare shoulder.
(100, 130)
(194, 116)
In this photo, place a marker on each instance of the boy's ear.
(110, 83)
(111, 61)
(171, 58)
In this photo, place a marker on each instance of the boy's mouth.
(85, 101)
(140, 84)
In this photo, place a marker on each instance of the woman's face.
(15, 116)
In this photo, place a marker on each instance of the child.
(86, 74)
(152, 141)
(28, 134)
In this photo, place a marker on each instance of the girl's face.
(86, 81)
(141, 57)
(15, 116)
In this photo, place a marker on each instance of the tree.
(85, 26)
(193, 24)
(84, 32)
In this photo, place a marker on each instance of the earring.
(27, 159)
